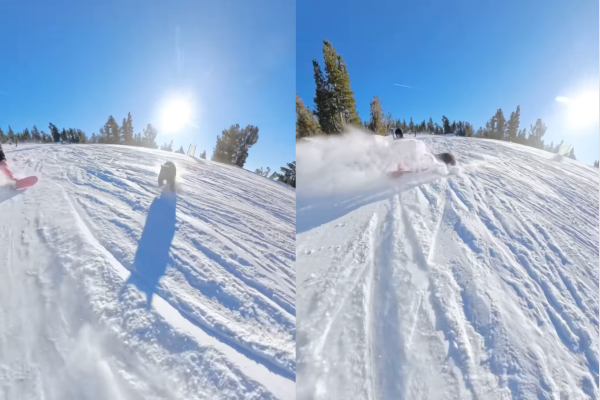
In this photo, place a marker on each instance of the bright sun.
(582, 110)
(176, 115)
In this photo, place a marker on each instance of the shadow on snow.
(152, 256)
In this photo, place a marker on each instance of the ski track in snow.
(113, 290)
(479, 285)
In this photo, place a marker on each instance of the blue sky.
(74, 63)
(463, 59)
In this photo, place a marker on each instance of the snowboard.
(25, 182)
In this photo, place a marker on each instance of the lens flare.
(582, 110)
(176, 115)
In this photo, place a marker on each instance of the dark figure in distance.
(167, 173)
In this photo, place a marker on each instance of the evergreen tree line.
(334, 108)
(112, 133)
(231, 148)
(35, 135)
(383, 124)
(500, 129)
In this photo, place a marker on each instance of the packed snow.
(478, 281)
(111, 288)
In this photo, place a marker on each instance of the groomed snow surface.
(473, 282)
(111, 289)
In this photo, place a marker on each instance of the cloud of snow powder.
(356, 160)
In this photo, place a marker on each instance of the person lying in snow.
(412, 156)
(167, 173)
(402, 169)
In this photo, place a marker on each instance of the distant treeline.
(231, 147)
(335, 108)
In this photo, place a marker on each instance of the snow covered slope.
(111, 290)
(480, 282)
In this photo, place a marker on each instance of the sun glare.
(582, 110)
(176, 115)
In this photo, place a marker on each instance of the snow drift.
(479, 283)
(113, 289)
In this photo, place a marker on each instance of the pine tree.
(389, 123)
(10, 133)
(411, 125)
(81, 136)
(233, 144)
(513, 125)
(110, 132)
(536, 132)
(127, 130)
(306, 124)
(500, 127)
(453, 127)
(226, 145)
(115, 130)
(324, 109)
(104, 135)
(203, 155)
(571, 154)
(180, 151)
(1, 136)
(63, 135)
(25, 135)
(35, 134)
(149, 137)
(94, 138)
(446, 124)
(469, 131)
(338, 79)
(597, 164)
(430, 126)
(246, 139)
(522, 136)
(460, 129)
(377, 123)
(54, 132)
(288, 174)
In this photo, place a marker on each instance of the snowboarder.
(16, 184)
(4, 166)
(399, 133)
(168, 173)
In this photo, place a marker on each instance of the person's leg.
(7, 172)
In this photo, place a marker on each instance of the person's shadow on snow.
(152, 256)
